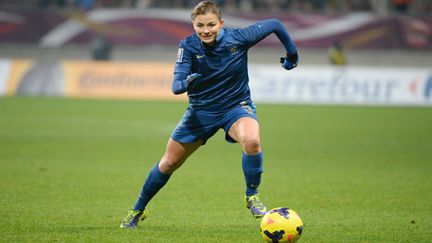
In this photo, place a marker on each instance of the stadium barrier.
(269, 83)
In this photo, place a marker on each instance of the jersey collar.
(220, 36)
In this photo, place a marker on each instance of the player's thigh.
(175, 154)
(245, 129)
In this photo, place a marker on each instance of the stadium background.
(396, 37)
(38, 37)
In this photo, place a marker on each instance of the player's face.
(207, 27)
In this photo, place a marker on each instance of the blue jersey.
(224, 81)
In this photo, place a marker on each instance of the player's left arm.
(258, 31)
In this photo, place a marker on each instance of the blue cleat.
(133, 217)
(255, 205)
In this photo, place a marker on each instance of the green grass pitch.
(70, 170)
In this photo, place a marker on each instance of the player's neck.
(209, 45)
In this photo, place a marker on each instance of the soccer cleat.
(255, 205)
(133, 217)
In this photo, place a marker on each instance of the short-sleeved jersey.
(224, 80)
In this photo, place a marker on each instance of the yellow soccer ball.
(281, 225)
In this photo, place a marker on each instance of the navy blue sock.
(154, 182)
(252, 169)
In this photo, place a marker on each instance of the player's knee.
(252, 146)
(167, 167)
(168, 164)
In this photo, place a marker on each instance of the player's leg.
(175, 155)
(246, 132)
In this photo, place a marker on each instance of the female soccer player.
(212, 68)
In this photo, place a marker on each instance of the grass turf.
(70, 169)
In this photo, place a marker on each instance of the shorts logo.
(247, 108)
(180, 55)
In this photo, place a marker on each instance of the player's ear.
(222, 22)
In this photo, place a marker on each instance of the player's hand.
(290, 61)
(191, 79)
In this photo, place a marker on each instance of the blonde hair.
(205, 7)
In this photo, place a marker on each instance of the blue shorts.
(196, 125)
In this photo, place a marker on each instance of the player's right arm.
(183, 76)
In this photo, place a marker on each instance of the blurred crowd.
(383, 7)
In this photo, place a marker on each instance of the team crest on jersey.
(234, 50)
(180, 55)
